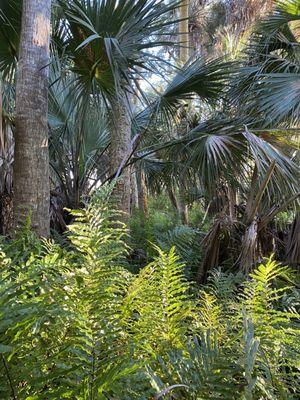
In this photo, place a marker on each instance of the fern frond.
(157, 306)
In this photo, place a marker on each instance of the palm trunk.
(184, 31)
(31, 159)
(183, 125)
(120, 151)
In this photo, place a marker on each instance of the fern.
(246, 350)
(203, 372)
(157, 306)
(67, 305)
(277, 329)
(76, 324)
(187, 241)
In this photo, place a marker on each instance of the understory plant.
(76, 324)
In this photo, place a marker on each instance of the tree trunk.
(172, 198)
(182, 128)
(142, 193)
(293, 244)
(184, 31)
(120, 151)
(182, 206)
(134, 190)
(31, 158)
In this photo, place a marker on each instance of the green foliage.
(76, 324)
(73, 321)
(247, 347)
(163, 228)
(272, 69)
(109, 41)
(146, 232)
(187, 241)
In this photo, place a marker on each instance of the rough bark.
(183, 124)
(120, 151)
(31, 158)
(184, 31)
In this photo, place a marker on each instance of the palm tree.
(78, 142)
(100, 70)
(110, 43)
(268, 86)
(240, 151)
(183, 124)
(31, 159)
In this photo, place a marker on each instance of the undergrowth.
(76, 324)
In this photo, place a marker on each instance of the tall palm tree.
(111, 44)
(268, 85)
(31, 159)
(233, 152)
(182, 126)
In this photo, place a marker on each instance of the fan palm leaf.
(10, 28)
(268, 84)
(78, 138)
(110, 41)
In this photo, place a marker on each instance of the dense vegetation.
(149, 199)
(75, 324)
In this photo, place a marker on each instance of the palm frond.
(10, 30)
(108, 40)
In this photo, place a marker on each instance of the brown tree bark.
(142, 193)
(184, 31)
(31, 158)
(183, 124)
(120, 151)
(134, 190)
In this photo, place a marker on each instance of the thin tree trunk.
(184, 31)
(173, 198)
(134, 190)
(142, 193)
(6, 156)
(1, 130)
(120, 150)
(182, 206)
(183, 125)
(31, 158)
(231, 194)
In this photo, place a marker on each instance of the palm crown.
(110, 42)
